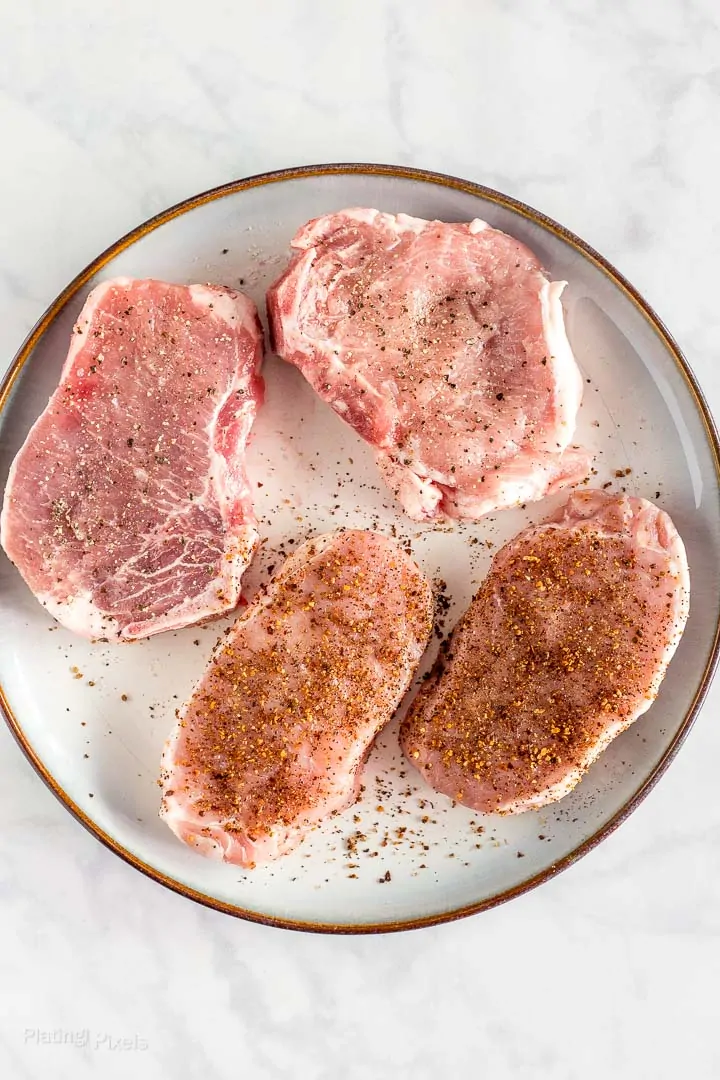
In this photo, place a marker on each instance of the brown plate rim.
(506, 201)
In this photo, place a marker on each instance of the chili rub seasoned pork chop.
(443, 345)
(275, 735)
(564, 646)
(127, 511)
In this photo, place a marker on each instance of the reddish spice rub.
(273, 739)
(565, 644)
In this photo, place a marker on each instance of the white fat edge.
(365, 215)
(80, 614)
(413, 467)
(636, 509)
(309, 237)
(338, 362)
(677, 560)
(205, 604)
(504, 495)
(309, 234)
(294, 339)
(298, 272)
(676, 555)
(181, 818)
(86, 316)
(239, 313)
(418, 496)
(567, 378)
(568, 782)
(206, 846)
(404, 223)
(295, 285)
(512, 492)
(338, 373)
(674, 551)
(234, 308)
(412, 451)
(208, 836)
(634, 526)
(179, 813)
(219, 467)
(571, 779)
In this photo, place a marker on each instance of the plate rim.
(508, 202)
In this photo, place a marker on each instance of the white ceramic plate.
(92, 718)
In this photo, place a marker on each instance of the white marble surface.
(604, 114)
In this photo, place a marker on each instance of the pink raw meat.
(127, 510)
(564, 646)
(444, 346)
(274, 737)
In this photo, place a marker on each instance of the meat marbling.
(274, 736)
(564, 646)
(444, 346)
(127, 510)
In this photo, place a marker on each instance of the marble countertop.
(605, 116)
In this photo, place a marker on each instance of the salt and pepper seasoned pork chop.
(274, 736)
(564, 646)
(128, 511)
(443, 345)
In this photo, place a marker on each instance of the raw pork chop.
(444, 346)
(565, 644)
(274, 736)
(127, 511)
